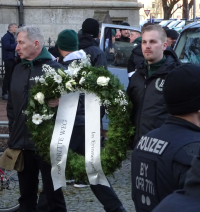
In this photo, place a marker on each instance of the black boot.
(120, 209)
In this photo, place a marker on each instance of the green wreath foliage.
(112, 95)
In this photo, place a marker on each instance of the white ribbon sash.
(61, 137)
(92, 141)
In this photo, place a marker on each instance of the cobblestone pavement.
(83, 200)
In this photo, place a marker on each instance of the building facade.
(55, 15)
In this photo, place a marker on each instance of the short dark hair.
(11, 24)
(157, 28)
(145, 25)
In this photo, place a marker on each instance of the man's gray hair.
(33, 34)
(11, 24)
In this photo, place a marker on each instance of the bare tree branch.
(191, 4)
(176, 9)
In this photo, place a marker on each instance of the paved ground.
(82, 200)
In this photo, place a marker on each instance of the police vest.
(152, 164)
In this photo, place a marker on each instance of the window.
(179, 6)
(153, 5)
(117, 51)
(188, 48)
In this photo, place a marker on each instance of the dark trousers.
(107, 197)
(9, 67)
(28, 184)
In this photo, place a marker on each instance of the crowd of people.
(165, 114)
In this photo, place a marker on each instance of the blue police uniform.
(160, 161)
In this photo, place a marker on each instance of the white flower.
(62, 74)
(47, 117)
(82, 80)
(25, 112)
(69, 71)
(58, 78)
(69, 84)
(37, 79)
(42, 80)
(37, 119)
(76, 70)
(39, 97)
(103, 81)
(84, 73)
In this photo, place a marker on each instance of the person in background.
(134, 35)
(172, 36)
(118, 34)
(8, 55)
(87, 42)
(111, 51)
(125, 34)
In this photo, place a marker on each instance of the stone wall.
(54, 16)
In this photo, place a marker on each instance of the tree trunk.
(167, 13)
(185, 11)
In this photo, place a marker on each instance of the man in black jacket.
(30, 49)
(162, 157)
(87, 42)
(146, 83)
(125, 33)
(8, 55)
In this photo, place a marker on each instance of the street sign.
(147, 12)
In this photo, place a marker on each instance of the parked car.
(180, 26)
(173, 24)
(117, 63)
(165, 23)
(187, 46)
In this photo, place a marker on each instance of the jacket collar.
(182, 122)
(86, 40)
(171, 61)
(44, 54)
(77, 55)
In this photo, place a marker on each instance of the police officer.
(186, 200)
(162, 157)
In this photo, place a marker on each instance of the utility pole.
(194, 10)
(21, 12)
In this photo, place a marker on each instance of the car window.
(181, 24)
(188, 48)
(163, 22)
(173, 23)
(117, 52)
